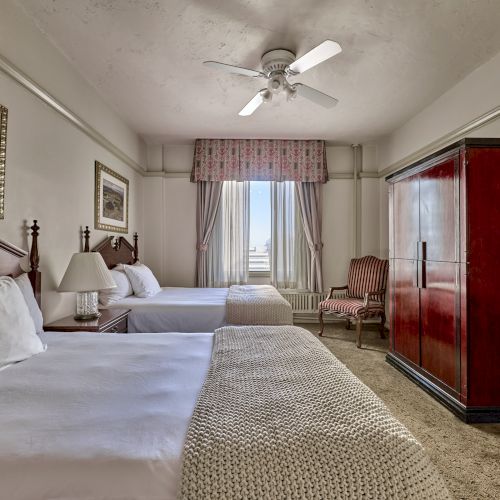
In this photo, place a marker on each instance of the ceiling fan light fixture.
(267, 95)
(276, 83)
(291, 92)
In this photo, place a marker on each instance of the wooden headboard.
(10, 261)
(114, 250)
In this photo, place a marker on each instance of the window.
(260, 227)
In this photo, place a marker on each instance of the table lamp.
(86, 274)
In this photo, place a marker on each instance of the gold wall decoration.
(3, 155)
(111, 200)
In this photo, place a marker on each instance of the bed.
(112, 427)
(177, 309)
(245, 412)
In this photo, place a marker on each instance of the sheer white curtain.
(227, 253)
(290, 256)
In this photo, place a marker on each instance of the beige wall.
(472, 97)
(475, 95)
(172, 254)
(24, 45)
(50, 163)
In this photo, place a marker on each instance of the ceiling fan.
(277, 66)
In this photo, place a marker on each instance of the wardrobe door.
(406, 310)
(440, 327)
(439, 212)
(406, 218)
(483, 275)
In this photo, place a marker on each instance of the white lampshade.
(86, 272)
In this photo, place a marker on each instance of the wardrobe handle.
(421, 274)
(421, 250)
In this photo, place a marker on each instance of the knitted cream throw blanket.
(279, 417)
(257, 305)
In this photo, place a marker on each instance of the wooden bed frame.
(10, 261)
(114, 250)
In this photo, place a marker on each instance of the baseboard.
(469, 414)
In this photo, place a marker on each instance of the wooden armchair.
(363, 297)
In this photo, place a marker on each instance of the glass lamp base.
(87, 306)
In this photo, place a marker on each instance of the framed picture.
(3, 155)
(111, 200)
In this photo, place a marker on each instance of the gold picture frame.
(111, 200)
(3, 157)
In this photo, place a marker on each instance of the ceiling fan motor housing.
(276, 60)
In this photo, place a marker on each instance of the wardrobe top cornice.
(438, 156)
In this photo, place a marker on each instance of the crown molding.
(17, 75)
(443, 141)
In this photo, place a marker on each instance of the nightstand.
(110, 321)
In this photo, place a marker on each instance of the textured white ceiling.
(145, 58)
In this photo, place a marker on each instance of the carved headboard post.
(86, 238)
(34, 274)
(117, 251)
(136, 247)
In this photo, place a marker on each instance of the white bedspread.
(177, 309)
(100, 416)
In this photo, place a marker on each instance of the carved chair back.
(367, 274)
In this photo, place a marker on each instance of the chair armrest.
(372, 294)
(333, 288)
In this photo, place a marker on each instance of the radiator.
(303, 302)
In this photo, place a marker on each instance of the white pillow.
(123, 287)
(143, 281)
(24, 284)
(18, 338)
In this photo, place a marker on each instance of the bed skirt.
(280, 417)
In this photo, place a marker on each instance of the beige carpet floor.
(468, 456)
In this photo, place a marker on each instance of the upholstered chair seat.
(363, 297)
(353, 307)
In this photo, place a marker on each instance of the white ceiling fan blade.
(234, 69)
(321, 53)
(315, 96)
(256, 101)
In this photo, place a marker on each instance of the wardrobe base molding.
(470, 415)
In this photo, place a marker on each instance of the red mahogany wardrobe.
(444, 278)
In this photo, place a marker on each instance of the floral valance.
(259, 160)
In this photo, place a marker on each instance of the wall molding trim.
(21, 78)
(357, 153)
(369, 175)
(445, 140)
(167, 175)
(340, 175)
